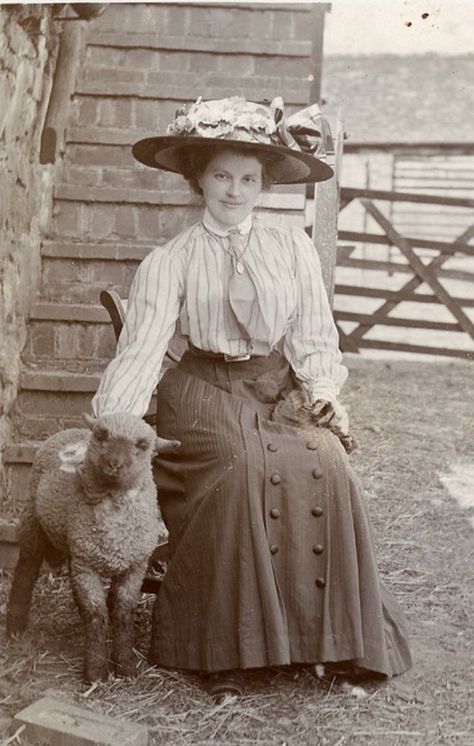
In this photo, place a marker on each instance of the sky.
(400, 27)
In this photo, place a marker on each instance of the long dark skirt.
(272, 555)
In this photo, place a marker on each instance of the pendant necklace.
(236, 243)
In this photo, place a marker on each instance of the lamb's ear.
(90, 421)
(166, 446)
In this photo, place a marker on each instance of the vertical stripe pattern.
(272, 559)
(188, 278)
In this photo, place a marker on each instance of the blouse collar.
(214, 227)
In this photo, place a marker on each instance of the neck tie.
(243, 295)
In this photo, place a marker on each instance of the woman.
(272, 557)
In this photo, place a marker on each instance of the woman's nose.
(234, 187)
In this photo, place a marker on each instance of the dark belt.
(221, 356)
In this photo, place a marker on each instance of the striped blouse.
(187, 280)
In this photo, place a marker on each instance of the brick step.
(49, 401)
(72, 337)
(76, 272)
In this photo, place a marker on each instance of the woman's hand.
(332, 414)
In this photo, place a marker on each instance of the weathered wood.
(190, 43)
(68, 61)
(398, 267)
(410, 286)
(397, 295)
(377, 344)
(445, 247)
(346, 343)
(419, 148)
(382, 319)
(429, 199)
(318, 12)
(326, 208)
(423, 271)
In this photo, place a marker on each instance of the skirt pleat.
(272, 555)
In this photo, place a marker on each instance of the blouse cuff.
(323, 388)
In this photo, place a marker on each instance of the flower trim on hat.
(234, 116)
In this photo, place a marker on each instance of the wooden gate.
(424, 260)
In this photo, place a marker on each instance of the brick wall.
(142, 62)
(28, 45)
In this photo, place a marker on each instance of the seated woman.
(272, 559)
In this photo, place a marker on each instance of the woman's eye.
(249, 179)
(221, 177)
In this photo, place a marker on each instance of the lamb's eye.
(143, 444)
(101, 433)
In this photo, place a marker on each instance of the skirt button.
(317, 473)
(275, 478)
(272, 447)
(275, 513)
(320, 582)
(273, 549)
(317, 512)
(318, 549)
(311, 446)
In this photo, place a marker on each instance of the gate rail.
(422, 273)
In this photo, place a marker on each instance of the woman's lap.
(272, 559)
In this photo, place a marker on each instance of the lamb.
(93, 501)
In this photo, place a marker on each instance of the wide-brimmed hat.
(294, 146)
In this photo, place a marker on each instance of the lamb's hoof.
(95, 673)
(16, 626)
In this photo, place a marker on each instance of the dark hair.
(195, 161)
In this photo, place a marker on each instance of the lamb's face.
(120, 450)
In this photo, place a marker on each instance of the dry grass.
(411, 421)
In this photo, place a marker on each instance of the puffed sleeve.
(311, 343)
(152, 311)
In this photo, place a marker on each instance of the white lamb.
(93, 500)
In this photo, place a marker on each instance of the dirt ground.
(412, 420)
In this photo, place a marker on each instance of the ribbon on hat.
(307, 130)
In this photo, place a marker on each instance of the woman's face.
(231, 183)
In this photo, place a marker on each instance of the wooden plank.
(189, 43)
(432, 199)
(397, 268)
(326, 200)
(380, 319)
(423, 271)
(397, 295)
(346, 344)
(405, 347)
(421, 148)
(389, 305)
(420, 243)
(67, 66)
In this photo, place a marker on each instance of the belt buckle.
(236, 358)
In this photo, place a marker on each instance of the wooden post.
(318, 11)
(326, 210)
(67, 65)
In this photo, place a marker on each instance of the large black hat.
(250, 127)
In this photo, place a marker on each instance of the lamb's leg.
(33, 545)
(123, 598)
(90, 598)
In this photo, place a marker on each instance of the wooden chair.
(116, 307)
